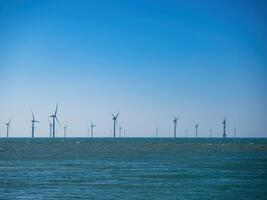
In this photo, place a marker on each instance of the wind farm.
(90, 131)
(133, 100)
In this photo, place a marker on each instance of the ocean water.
(134, 168)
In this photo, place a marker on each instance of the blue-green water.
(133, 169)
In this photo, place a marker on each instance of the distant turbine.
(175, 125)
(33, 127)
(92, 129)
(115, 123)
(210, 132)
(88, 132)
(7, 128)
(54, 117)
(120, 128)
(196, 126)
(224, 126)
(50, 125)
(235, 132)
(65, 130)
(186, 132)
(157, 131)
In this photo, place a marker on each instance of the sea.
(133, 168)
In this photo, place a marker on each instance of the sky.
(150, 60)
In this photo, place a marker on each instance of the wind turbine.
(50, 125)
(115, 117)
(235, 132)
(196, 126)
(224, 126)
(65, 130)
(120, 128)
(54, 117)
(92, 129)
(33, 121)
(157, 131)
(186, 132)
(210, 133)
(175, 125)
(7, 128)
(88, 132)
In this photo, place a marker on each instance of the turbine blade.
(117, 115)
(32, 116)
(57, 121)
(56, 110)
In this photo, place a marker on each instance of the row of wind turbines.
(52, 126)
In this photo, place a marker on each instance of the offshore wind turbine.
(157, 131)
(120, 128)
(88, 132)
(114, 118)
(175, 125)
(196, 126)
(92, 129)
(235, 132)
(33, 122)
(50, 126)
(210, 133)
(65, 130)
(224, 127)
(54, 118)
(7, 128)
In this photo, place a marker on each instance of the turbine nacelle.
(8, 123)
(175, 119)
(224, 121)
(115, 116)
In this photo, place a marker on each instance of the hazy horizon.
(150, 60)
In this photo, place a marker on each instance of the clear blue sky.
(202, 60)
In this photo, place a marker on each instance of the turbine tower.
(92, 129)
(196, 126)
(224, 126)
(54, 118)
(7, 128)
(120, 128)
(50, 125)
(157, 131)
(65, 130)
(235, 132)
(186, 132)
(33, 122)
(175, 125)
(88, 132)
(210, 133)
(115, 117)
